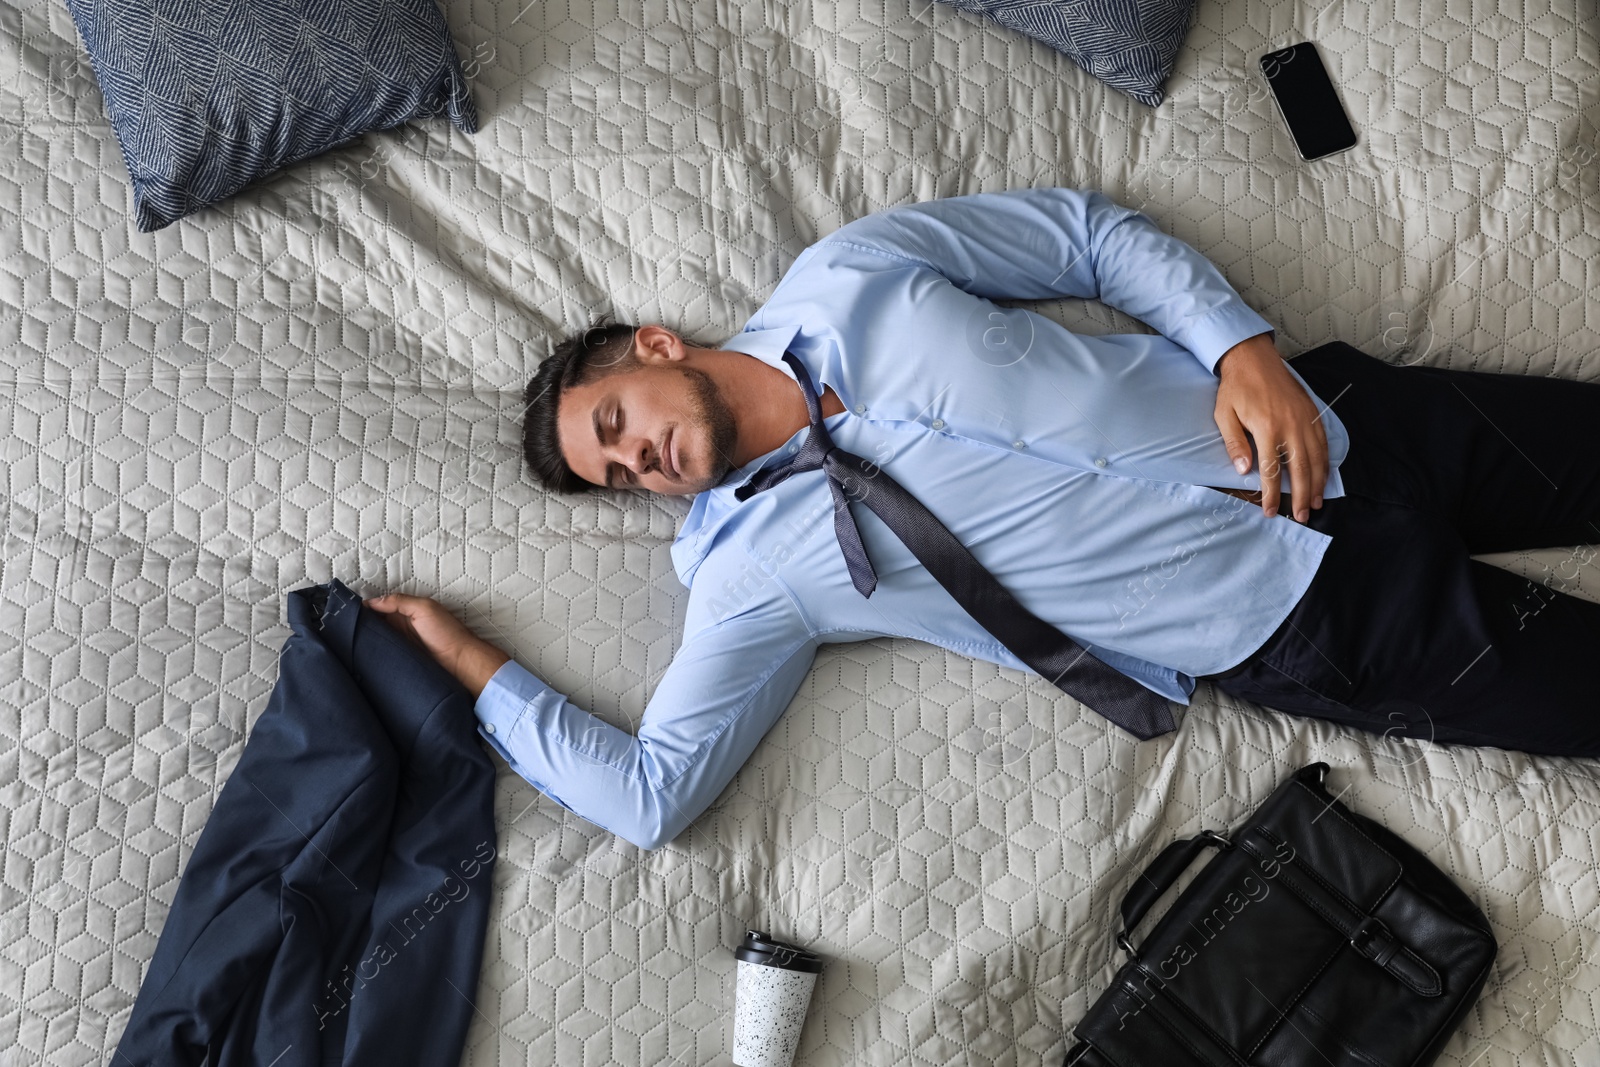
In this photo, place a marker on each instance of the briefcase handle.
(1159, 876)
(1173, 861)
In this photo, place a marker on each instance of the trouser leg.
(1401, 632)
(1510, 460)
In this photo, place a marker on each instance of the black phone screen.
(1306, 98)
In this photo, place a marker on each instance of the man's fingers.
(401, 625)
(1271, 466)
(390, 610)
(400, 612)
(1300, 482)
(1308, 467)
(1316, 477)
(399, 603)
(1234, 439)
(1319, 463)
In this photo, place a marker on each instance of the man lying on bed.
(1108, 483)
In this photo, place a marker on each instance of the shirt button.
(938, 424)
(1019, 444)
(861, 409)
(794, 446)
(488, 727)
(1100, 461)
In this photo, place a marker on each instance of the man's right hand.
(429, 624)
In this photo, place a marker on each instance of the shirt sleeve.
(724, 689)
(1036, 244)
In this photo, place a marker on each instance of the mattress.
(321, 378)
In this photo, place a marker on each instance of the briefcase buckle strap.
(1372, 938)
(1367, 934)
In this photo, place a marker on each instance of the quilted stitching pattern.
(322, 376)
(1128, 44)
(205, 100)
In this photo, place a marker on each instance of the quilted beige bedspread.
(322, 378)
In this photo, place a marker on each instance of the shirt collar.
(711, 508)
(768, 346)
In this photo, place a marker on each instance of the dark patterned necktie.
(1043, 647)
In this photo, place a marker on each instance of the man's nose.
(634, 453)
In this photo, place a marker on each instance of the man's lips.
(669, 454)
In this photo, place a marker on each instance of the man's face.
(661, 427)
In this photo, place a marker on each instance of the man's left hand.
(430, 625)
(1258, 395)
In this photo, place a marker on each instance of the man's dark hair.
(604, 348)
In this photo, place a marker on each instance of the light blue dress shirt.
(1071, 466)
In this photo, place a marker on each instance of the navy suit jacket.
(334, 908)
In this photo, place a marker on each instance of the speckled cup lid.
(769, 952)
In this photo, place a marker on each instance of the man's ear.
(657, 344)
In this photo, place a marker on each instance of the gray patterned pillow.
(1128, 44)
(206, 97)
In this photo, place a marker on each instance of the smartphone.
(1307, 101)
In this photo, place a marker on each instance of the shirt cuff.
(1210, 336)
(503, 702)
(506, 705)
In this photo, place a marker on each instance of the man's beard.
(712, 412)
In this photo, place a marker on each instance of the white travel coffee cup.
(771, 994)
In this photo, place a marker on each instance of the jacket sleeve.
(1036, 244)
(728, 684)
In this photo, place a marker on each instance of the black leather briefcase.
(1314, 937)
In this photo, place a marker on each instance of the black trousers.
(1400, 632)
